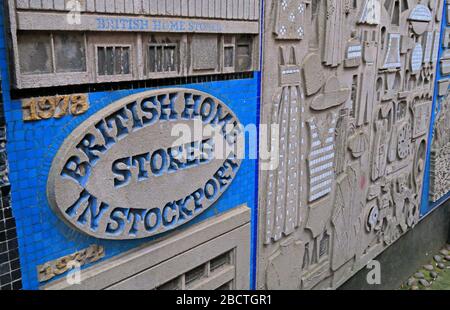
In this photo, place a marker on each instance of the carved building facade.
(97, 91)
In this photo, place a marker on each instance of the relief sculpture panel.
(352, 103)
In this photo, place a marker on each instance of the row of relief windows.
(55, 53)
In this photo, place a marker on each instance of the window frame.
(231, 69)
(149, 73)
(114, 77)
(54, 78)
(244, 41)
(86, 70)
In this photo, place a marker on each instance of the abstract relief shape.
(334, 28)
(428, 47)
(445, 63)
(345, 221)
(371, 13)
(367, 89)
(313, 74)
(417, 58)
(290, 20)
(341, 141)
(358, 144)
(421, 113)
(419, 165)
(284, 183)
(404, 141)
(333, 95)
(386, 228)
(437, 36)
(420, 17)
(316, 264)
(289, 69)
(406, 209)
(380, 148)
(321, 157)
(283, 271)
(372, 218)
(392, 59)
(353, 56)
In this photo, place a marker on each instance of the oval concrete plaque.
(142, 166)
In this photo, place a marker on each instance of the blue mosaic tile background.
(10, 275)
(32, 146)
(427, 206)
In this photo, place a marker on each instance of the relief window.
(172, 285)
(228, 56)
(113, 60)
(205, 52)
(195, 274)
(226, 287)
(35, 53)
(402, 108)
(244, 54)
(228, 52)
(70, 52)
(324, 245)
(220, 262)
(163, 58)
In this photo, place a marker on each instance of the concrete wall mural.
(353, 100)
(358, 93)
